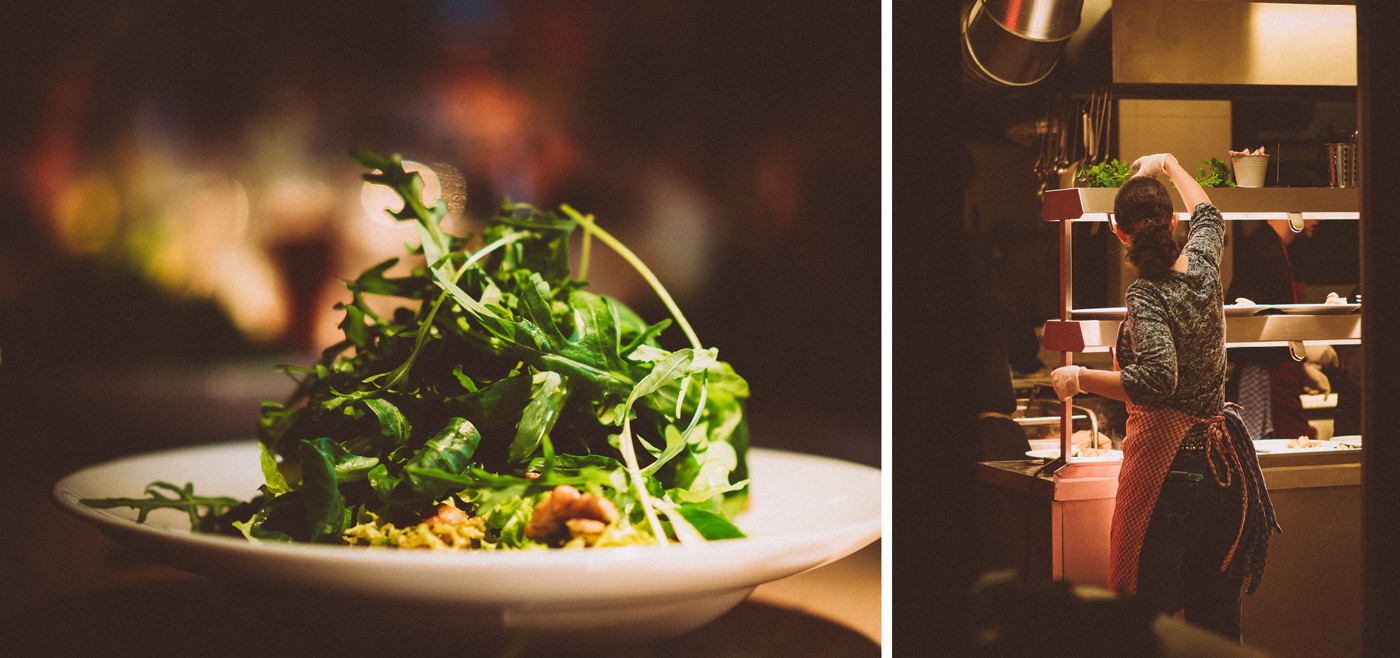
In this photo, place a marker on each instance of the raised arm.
(1192, 194)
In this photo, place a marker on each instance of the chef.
(1267, 382)
(1191, 517)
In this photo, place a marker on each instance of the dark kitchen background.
(979, 154)
(179, 207)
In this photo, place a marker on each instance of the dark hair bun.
(1143, 211)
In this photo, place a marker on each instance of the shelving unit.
(1057, 516)
(1069, 334)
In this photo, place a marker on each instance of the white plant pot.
(1250, 169)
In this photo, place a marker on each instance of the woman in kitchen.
(1192, 517)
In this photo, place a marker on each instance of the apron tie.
(1218, 444)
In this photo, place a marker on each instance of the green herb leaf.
(1109, 173)
(497, 377)
(183, 499)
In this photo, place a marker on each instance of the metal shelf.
(1094, 204)
(1246, 331)
(1086, 204)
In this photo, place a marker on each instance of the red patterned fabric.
(1219, 441)
(1153, 436)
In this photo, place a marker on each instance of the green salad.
(502, 405)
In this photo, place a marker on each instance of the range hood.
(1233, 42)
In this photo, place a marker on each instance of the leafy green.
(1218, 174)
(184, 499)
(1109, 173)
(498, 377)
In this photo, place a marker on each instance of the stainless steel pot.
(1016, 42)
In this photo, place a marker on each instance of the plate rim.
(1329, 446)
(1051, 453)
(192, 551)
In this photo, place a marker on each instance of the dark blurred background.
(178, 206)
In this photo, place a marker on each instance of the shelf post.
(1066, 357)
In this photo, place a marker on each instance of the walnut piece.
(567, 514)
(447, 515)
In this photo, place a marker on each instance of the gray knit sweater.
(1171, 348)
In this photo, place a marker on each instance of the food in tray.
(1304, 442)
(1244, 303)
(1301, 444)
(1335, 299)
(1085, 439)
(1082, 444)
(502, 406)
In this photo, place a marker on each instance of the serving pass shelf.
(1094, 204)
(1248, 331)
(1069, 334)
(1087, 204)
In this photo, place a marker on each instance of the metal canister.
(1343, 164)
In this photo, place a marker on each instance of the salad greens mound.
(501, 406)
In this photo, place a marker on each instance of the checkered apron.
(1154, 435)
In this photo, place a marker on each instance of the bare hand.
(1315, 383)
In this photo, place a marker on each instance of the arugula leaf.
(449, 451)
(392, 423)
(539, 416)
(276, 481)
(498, 377)
(184, 499)
(711, 524)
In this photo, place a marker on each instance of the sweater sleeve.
(1151, 377)
(1206, 237)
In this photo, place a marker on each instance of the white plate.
(1318, 400)
(1281, 445)
(1231, 310)
(805, 511)
(1348, 440)
(1111, 456)
(1106, 313)
(1316, 309)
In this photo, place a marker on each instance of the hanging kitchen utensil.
(1068, 140)
(1090, 143)
(1104, 124)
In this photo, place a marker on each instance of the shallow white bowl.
(805, 511)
